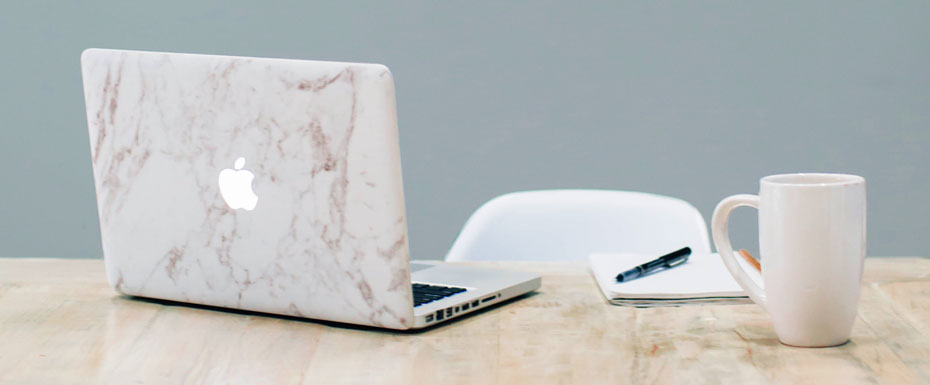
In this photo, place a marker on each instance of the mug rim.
(812, 179)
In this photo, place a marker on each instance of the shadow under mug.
(812, 244)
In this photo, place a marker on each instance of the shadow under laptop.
(334, 324)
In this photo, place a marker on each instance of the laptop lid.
(261, 184)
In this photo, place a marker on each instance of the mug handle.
(720, 226)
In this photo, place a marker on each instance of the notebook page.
(704, 275)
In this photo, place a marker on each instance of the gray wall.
(690, 99)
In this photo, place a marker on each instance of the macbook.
(267, 185)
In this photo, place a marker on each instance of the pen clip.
(678, 262)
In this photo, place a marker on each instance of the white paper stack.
(702, 280)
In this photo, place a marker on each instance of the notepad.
(702, 280)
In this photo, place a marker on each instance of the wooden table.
(61, 323)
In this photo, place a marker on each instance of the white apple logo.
(236, 187)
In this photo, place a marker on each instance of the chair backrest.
(564, 225)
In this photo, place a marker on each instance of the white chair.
(567, 225)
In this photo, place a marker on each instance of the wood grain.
(61, 324)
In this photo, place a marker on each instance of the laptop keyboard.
(423, 293)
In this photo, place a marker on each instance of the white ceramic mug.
(812, 245)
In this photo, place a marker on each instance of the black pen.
(669, 260)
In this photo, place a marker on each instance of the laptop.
(266, 185)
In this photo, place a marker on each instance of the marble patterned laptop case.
(321, 233)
